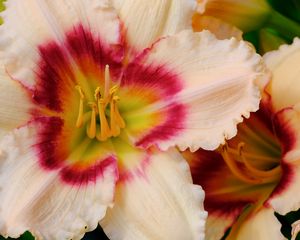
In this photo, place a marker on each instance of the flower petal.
(14, 103)
(284, 65)
(162, 204)
(226, 197)
(148, 20)
(213, 84)
(37, 200)
(286, 196)
(263, 225)
(28, 25)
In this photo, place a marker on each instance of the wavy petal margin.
(160, 204)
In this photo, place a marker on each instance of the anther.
(97, 94)
(115, 128)
(92, 128)
(79, 120)
(119, 119)
(104, 128)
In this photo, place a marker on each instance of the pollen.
(104, 108)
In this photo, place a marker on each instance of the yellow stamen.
(104, 128)
(267, 175)
(79, 121)
(232, 165)
(119, 120)
(241, 167)
(115, 128)
(97, 94)
(91, 131)
(113, 90)
(100, 107)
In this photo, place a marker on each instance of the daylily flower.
(99, 96)
(257, 172)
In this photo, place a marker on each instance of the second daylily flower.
(99, 102)
(257, 172)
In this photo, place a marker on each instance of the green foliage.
(25, 236)
(286, 221)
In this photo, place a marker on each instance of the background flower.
(104, 96)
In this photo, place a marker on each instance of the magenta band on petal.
(49, 131)
(55, 72)
(288, 141)
(208, 172)
(93, 173)
(53, 63)
(176, 115)
(79, 62)
(159, 78)
(81, 43)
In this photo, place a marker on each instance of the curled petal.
(37, 200)
(295, 229)
(210, 85)
(160, 204)
(286, 197)
(284, 64)
(262, 225)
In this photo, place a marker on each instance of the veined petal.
(286, 196)
(220, 28)
(162, 204)
(262, 225)
(37, 200)
(148, 20)
(226, 196)
(286, 74)
(14, 103)
(213, 85)
(29, 24)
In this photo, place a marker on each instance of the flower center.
(104, 108)
(238, 161)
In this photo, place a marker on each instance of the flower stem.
(285, 26)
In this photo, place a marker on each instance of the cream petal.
(286, 197)
(216, 227)
(261, 226)
(38, 200)
(29, 24)
(219, 79)
(295, 229)
(284, 64)
(161, 204)
(148, 20)
(14, 103)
